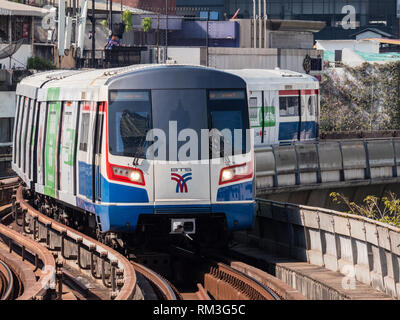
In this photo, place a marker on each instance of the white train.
(80, 144)
(284, 105)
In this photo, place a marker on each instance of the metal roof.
(9, 8)
(383, 40)
(262, 79)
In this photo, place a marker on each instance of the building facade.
(379, 13)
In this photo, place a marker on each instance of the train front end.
(179, 154)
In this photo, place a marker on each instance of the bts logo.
(181, 179)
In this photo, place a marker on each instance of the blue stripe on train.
(289, 130)
(110, 192)
(125, 218)
(236, 192)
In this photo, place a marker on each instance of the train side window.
(310, 106)
(84, 132)
(282, 106)
(289, 106)
(293, 106)
(253, 102)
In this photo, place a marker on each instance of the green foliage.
(127, 20)
(147, 23)
(104, 24)
(362, 98)
(38, 63)
(386, 209)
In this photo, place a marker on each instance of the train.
(138, 154)
(284, 105)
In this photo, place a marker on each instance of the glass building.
(380, 14)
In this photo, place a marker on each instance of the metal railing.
(327, 163)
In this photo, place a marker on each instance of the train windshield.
(129, 121)
(181, 115)
(184, 117)
(228, 114)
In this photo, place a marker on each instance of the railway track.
(74, 258)
(28, 268)
(6, 282)
(220, 277)
(111, 275)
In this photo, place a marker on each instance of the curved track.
(162, 286)
(225, 283)
(6, 282)
(113, 271)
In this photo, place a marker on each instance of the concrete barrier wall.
(302, 164)
(357, 247)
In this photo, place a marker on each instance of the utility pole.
(158, 38)
(254, 25)
(111, 19)
(166, 31)
(93, 35)
(208, 18)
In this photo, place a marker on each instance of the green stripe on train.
(53, 120)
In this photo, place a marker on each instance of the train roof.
(277, 79)
(92, 84)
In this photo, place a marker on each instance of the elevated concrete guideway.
(326, 165)
(326, 254)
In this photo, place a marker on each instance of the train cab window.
(289, 106)
(253, 102)
(129, 120)
(184, 109)
(228, 113)
(84, 132)
(310, 106)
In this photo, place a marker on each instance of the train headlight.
(126, 174)
(135, 176)
(227, 174)
(236, 173)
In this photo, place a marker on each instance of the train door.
(270, 106)
(289, 116)
(51, 148)
(67, 151)
(85, 150)
(256, 116)
(304, 116)
(29, 130)
(40, 146)
(98, 138)
(33, 144)
(309, 105)
(21, 134)
(19, 103)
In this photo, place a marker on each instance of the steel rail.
(8, 284)
(32, 288)
(162, 285)
(202, 293)
(121, 278)
(225, 283)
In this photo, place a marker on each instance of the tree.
(386, 209)
(361, 98)
(127, 20)
(147, 24)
